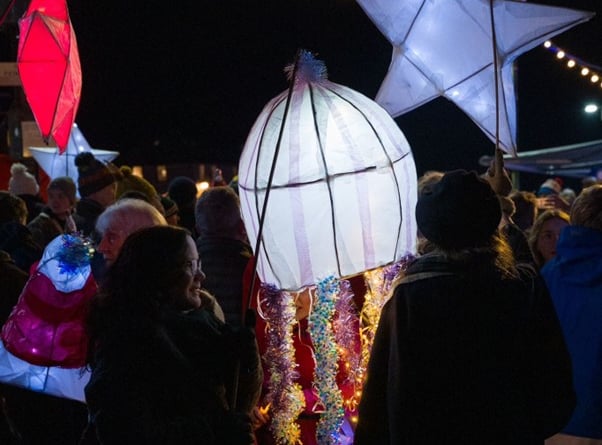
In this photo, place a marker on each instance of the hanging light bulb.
(584, 71)
(571, 63)
(595, 78)
(547, 44)
(560, 54)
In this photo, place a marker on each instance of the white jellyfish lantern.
(343, 189)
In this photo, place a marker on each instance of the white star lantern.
(55, 164)
(445, 48)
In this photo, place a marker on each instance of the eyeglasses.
(194, 266)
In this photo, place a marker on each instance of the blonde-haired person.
(544, 235)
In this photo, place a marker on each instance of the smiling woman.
(160, 358)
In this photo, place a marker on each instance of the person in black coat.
(160, 360)
(96, 183)
(15, 237)
(223, 248)
(469, 348)
(182, 190)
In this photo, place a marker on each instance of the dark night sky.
(186, 82)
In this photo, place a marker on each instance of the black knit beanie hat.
(93, 174)
(460, 211)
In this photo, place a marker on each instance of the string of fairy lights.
(587, 70)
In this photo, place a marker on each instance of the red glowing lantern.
(49, 68)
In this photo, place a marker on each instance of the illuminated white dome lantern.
(343, 191)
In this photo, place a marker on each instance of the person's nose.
(200, 275)
(103, 245)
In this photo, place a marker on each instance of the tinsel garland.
(76, 251)
(346, 323)
(379, 284)
(284, 395)
(309, 69)
(327, 357)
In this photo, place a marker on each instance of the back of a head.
(183, 191)
(588, 181)
(169, 205)
(568, 195)
(217, 212)
(551, 186)
(460, 211)
(587, 208)
(12, 208)
(132, 183)
(148, 266)
(428, 180)
(21, 181)
(525, 204)
(129, 215)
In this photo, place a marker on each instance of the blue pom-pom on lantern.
(75, 252)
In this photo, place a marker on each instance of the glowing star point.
(426, 63)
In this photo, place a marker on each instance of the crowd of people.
(491, 335)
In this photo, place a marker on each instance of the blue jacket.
(574, 278)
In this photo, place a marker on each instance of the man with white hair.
(120, 220)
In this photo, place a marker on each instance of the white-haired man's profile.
(120, 220)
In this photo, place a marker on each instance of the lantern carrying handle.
(269, 186)
(248, 317)
(495, 77)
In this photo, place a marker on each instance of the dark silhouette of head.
(148, 268)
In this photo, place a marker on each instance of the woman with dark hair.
(468, 349)
(160, 359)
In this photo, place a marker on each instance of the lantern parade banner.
(445, 48)
(343, 186)
(49, 68)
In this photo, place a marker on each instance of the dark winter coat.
(224, 261)
(45, 227)
(466, 356)
(12, 282)
(16, 240)
(162, 382)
